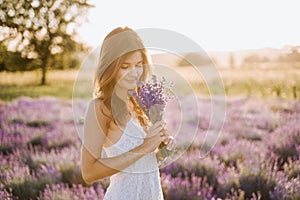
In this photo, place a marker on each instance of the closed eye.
(139, 65)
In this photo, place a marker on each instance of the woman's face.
(131, 69)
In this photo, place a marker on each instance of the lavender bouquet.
(152, 97)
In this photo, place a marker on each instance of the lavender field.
(256, 156)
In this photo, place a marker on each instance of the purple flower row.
(257, 154)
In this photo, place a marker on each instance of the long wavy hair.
(104, 86)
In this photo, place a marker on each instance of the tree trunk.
(43, 80)
(44, 66)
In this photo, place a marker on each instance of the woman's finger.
(163, 138)
(158, 125)
(167, 140)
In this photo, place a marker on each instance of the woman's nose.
(133, 71)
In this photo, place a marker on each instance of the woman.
(115, 126)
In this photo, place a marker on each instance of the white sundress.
(139, 181)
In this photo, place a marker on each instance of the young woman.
(116, 142)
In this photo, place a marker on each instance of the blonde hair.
(104, 85)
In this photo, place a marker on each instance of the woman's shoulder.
(100, 111)
(96, 102)
(99, 106)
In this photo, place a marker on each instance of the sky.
(224, 25)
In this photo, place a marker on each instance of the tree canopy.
(41, 30)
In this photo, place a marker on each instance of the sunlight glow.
(215, 25)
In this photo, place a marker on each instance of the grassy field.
(59, 84)
(261, 83)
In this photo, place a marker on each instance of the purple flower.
(152, 97)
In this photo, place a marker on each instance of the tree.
(197, 58)
(293, 56)
(231, 60)
(40, 29)
(254, 59)
(13, 61)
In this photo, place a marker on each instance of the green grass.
(261, 83)
(59, 84)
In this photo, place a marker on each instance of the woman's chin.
(131, 86)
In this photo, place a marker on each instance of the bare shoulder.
(100, 111)
(95, 104)
(100, 108)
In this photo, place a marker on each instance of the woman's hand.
(155, 135)
(168, 139)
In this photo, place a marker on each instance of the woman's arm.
(93, 167)
(103, 167)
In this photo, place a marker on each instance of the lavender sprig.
(152, 97)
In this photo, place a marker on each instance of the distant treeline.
(291, 59)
